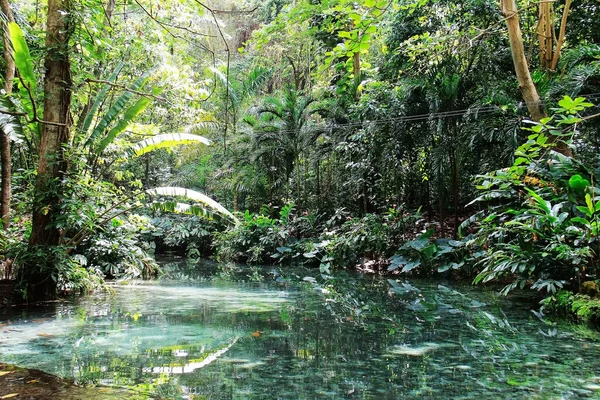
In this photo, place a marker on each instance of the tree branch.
(123, 87)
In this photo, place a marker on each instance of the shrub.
(540, 226)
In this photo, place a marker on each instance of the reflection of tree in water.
(354, 337)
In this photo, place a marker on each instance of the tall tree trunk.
(41, 278)
(5, 156)
(528, 90)
(561, 35)
(545, 34)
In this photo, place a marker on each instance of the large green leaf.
(115, 110)
(129, 115)
(196, 196)
(24, 64)
(23, 60)
(167, 140)
(100, 97)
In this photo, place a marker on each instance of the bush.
(541, 223)
(188, 234)
(308, 239)
(119, 250)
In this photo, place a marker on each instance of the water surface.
(249, 333)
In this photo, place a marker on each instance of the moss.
(579, 307)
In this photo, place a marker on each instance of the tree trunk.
(561, 35)
(545, 35)
(236, 205)
(5, 156)
(528, 90)
(40, 278)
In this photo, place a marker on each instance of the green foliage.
(578, 307)
(118, 251)
(429, 256)
(98, 101)
(309, 239)
(205, 205)
(167, 140)
(190, 235)
(116, 110)
(24, 64)
(541, 223)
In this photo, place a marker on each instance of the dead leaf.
(46, 335)
(32, 381)
(256, 334)
(2, 373)
(9, 396)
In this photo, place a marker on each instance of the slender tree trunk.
(561, 35)
(147, 171)
(528, 90)
(41, 278)
(545, 35)
(318, 185)
(5, 155)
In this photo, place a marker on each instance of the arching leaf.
(24, 64)
(23, 60)
(100, 97)
(115, 110)
(167, 140)
(193, 195)
(129, 115)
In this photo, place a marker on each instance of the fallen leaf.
(256, 334)
(2, 373)
(46, 335)
(9, 396)
(32, 381)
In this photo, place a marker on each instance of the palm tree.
(283, 133)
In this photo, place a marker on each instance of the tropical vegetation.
(418, 137)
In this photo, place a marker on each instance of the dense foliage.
(340, 133)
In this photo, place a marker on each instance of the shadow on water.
(233, 332)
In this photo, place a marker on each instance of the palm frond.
(11, 124)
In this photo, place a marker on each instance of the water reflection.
(358, 337)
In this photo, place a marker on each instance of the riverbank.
(22, 384)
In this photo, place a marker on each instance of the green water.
(247, 333)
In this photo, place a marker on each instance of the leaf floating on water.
(9, 396)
